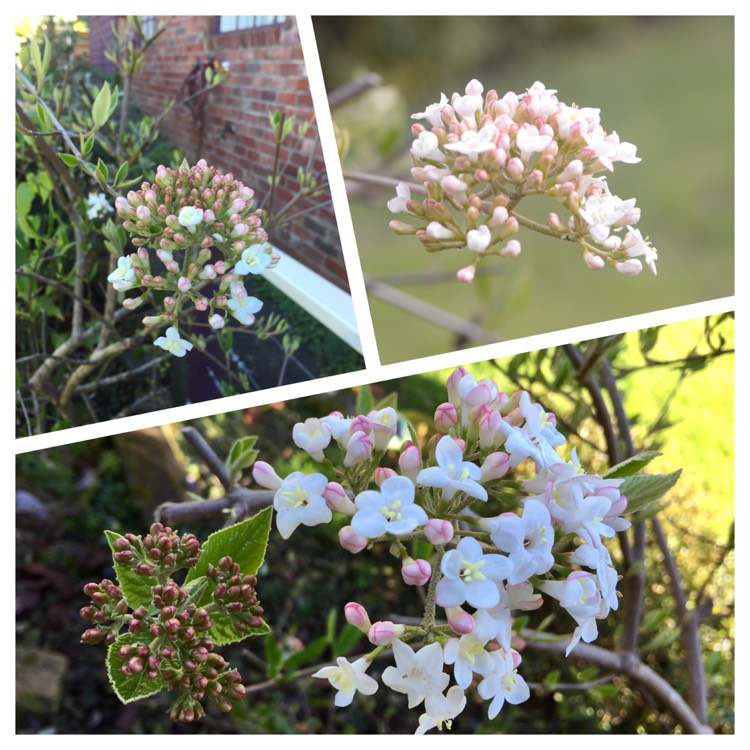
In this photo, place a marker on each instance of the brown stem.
(207, 453)
(631, 666)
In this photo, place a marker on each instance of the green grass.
(666, 85)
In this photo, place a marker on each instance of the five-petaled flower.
(348, 679)
(173, 343)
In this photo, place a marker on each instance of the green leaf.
(36, 59)
(136, 589)
(100, 111)
(88, 144)
(390, 400)
(122, 173)
(331, 626)
(223, 633)
(632, 465)
(241, 456)
(365, 401)
(308, 654)
(244, 542)
(347, 640)
(135, 687)
(24, 198)
(273, 656)
(70, 160)
(643, 490)
(604, 691)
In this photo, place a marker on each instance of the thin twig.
(207, 453)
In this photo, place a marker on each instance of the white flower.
(475, 142)
(469, 656)
(527, 539)
(243, 307)
(173, 343)
(467, 106)
(123, 277)
(452, 473)
(398, 204)
(299, 500)
(348, 679)
(536, 439)
(189, 217)
(479, 239)
(97, 205)
(471, 576)
(312, 436)
(254, 260)
(417, 674)
(601, 212)
(426, 147)
(635, 245)
(432, 112)
(529, 141)
(503, 684)
(441, 709)
(384, 425)
(339, 426)
(390, 511)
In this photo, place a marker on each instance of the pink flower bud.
(121, 204)
(357, 616)
(132, 302)
(360, 424)
(415, 572)
(382, 633)
(265, 475)
(209, 216)
(351, 541)
(382, 473)
(438, 531)
(220, 267)
(495, 466)
(152, 320)
(337, 499)
(445, 417)
(201, 304)
(207, 272)
(358, 449)
(184, 284)
(240, 230)
(460, 443)
(216, 321)
(410, 462)
(489, 425)
(630, 267)
(169, 303)
(515, 168)
(143, 213)
(453, 380)
(466, 274)
(238, 205)
(461, 623)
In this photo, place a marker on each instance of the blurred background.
(678, 390)
(665, 84)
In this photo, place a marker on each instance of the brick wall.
(267, 72)
(101, 39)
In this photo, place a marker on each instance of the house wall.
(267, 72)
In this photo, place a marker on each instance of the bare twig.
(629, 665)
(435, 315)
(207, 453)
(351, 90)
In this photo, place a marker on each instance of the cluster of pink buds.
(480, 156)
(202, 227)
(168, 641)
(500, 545)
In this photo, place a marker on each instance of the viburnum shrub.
(480, 156)
(186, 214)
(510, 523)
(162, 634)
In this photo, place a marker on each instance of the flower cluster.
(189, 216)
(480, 156)
(499, 545)
(168, 641)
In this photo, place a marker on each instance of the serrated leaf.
(136, 589)
(70, 160)
(100, 110)
(244, 542)
(222, 632)
(135, 687)
(643, 490)
(632, 465)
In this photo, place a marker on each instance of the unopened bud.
(357, 616)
